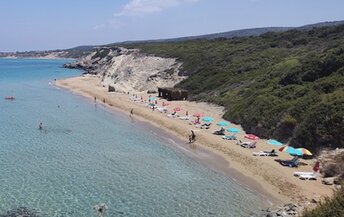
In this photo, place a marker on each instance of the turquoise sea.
(87, 154)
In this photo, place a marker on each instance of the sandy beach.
(263, 174)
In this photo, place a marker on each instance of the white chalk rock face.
(129, 70)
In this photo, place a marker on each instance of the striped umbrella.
(305, 151)
(290, 150)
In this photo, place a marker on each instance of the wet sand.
(260, 174)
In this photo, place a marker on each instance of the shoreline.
(260, 174)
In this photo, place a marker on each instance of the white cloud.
(142, 7)
(139, 8)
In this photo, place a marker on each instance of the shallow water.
(87, 155)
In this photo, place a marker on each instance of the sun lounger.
(219, 132)
(205, 126)
(302, 173)
(184, 118)
(266, 153)
(173, 115)
(249, 145)
(162, 109)
(312, 176)
(231, 137)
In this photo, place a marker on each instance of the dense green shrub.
(330, 207)
(288, 85)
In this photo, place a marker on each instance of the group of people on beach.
(192, 136)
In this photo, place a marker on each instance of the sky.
(58, 24)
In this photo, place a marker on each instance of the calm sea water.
(87, 155)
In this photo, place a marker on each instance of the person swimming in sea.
(40, 126)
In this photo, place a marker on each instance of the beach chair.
(184, 118)
(316, 169)
(162, 109)
(172, 115)
(205, 126)
(297, 174)
(312, 176)
(231, 137)
(249, 145)
(271, 153)
(219, 132)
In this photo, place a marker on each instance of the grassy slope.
(289, 86)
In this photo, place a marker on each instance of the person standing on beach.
(192, 137)
(131, 112)
(95, 99)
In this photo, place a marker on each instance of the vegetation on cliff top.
(330, 207)
(288, 86)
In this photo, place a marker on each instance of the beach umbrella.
(233, 130)
(207, 119)
(305, 151)
(177, 109)
(290, 150)
(198, 114)
(222, 124)
(152, 98)
(165, 104)
(251, 136)
(274, 142)
(151, 104)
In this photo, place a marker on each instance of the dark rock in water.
(287, 210)
(20, 212)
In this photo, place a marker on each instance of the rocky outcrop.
(286, 210)
(129, 70)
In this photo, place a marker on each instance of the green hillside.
(288, 86)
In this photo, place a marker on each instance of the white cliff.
(128, 70)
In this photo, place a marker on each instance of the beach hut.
(172, 93)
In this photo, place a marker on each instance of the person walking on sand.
(192, 137)
(95, 99)
(131, 112)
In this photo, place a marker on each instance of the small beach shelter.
(274, 142)
(207, 119)
(290, 150)
(251, 136)
(222, 124)
(233, 130)
(305, 151)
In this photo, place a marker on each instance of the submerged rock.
(287, 210)
(20, 212)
